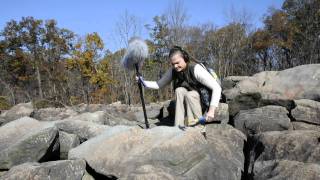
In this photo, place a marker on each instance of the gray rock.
(115, 117)
(124, 111)
(83, 129)
(153, 111)
(119, 142)
(307, 111)
(81, 108)
(285, 169)
(147, 172)
(87, 176)
(222, 113)
(267, 118)
(17, 111)
(121, 114)
(3, 121)
(231, 81)
(159, 152)
(54, 170)
(305, 126)
(98, 117)
(227, 143)
(67, 141)
(26, 140)
(53, 114)
(275, 88)
(298, 145)
(2, 173)
(243, 102)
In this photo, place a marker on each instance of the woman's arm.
(205, 78)
(166, 79)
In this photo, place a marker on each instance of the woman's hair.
(177, 49)
(185, 55)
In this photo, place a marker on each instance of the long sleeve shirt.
(201, 75)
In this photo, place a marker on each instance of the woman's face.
(178, 62)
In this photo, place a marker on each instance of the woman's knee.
(180, 90)
(191, 95)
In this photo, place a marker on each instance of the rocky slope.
(268, 128)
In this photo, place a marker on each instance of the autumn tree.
(58, 44)
(31, 34)
(290, 36)
(281, 33)
(116, 73)
(31, 54)
(304, 16)
(262, 45)
(18, 60)
(92, 74)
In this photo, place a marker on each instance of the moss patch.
(4, 103)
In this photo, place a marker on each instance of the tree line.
(41, 61)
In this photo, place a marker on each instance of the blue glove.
(202, 120)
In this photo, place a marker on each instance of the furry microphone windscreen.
(136, 53)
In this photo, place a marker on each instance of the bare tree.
(240, 16)
(127, 26)
(10, 89)
(177, 17)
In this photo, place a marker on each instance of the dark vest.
(186, 79)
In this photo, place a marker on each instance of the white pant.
(188, 107)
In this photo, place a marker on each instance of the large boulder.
(121, 114)
(18, 111)
(272, 147)
(267, 118)
(305, 126)
(152, 110)
(89, 107)
(98, 117)
(228, 144)
(160, 152)
(67, 141)
(83, 129)
(297, 145)
(54, 170)
(307, 111)
(147, 172)
(3, 121)
(222, 113)
(53, 114)
(2, 172)
(118, 117)
(275, 88)
(231, 81)
(285, 169)
(26, 140)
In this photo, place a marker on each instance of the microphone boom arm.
(141, 96)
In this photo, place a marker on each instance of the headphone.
(184, 53)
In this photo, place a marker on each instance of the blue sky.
(87, 16)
